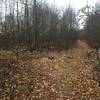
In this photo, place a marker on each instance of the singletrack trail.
(72, 73)
(64, 75)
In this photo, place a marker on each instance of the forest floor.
(64, 75)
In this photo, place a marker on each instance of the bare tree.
(37, 24)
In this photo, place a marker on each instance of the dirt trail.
(52, 76)
(72, 74)
(76, 75)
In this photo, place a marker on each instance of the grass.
(24, 88)
(8, 63)
(97, 66)
(4, 54)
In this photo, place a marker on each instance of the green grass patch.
(97, 66)
(24, 88)
(4, 54)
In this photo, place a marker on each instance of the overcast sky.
(77, 4)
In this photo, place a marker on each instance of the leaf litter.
(49, 76)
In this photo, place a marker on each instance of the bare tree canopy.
(35, 23)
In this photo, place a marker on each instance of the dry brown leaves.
(50, 76)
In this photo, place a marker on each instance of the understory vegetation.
(44, 53)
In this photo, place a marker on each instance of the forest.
(48, 53)
(36, 24)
